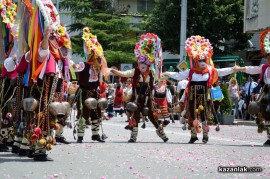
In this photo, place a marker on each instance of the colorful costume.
(261, 107)
(89, 78)
(198, 97)
(9, 77)
(148, 52)
(118, 105)
(162, 99)
(50, 50)
(9, 83)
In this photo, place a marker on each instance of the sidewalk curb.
(244, 123)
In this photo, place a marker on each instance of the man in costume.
(8, 79)
(148, 52)
(90, 74)
(8, 89)
(201, 76)
(261, 107)
(50, 51)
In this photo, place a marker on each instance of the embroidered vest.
(136, 79)
(83, 79)
(264, 67)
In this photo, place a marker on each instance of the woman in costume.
(261, 107)
(148, 53)
(118, 105)
(201, 76)
(162, 97)
(90, 74)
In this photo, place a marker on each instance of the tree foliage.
(217, 20)
(225, 105)
(113, 32)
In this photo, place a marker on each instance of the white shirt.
(253, 85)
(130, 73)
(181, 85)
(44, 55)
(93, 75)
(128, 91)
(196, 76)
(257, 70)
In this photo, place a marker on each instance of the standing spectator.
(110, 98)
(234, 94)
(119, 100)
(249, 86)
(128, 93)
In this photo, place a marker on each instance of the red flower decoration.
(61, 42)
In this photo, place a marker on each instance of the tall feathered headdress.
(149, 51)
(198, 47)
(265, 42)
(94, 51)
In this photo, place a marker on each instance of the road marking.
(185, 134)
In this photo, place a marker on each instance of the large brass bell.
(68, 109)
(253, 108)
(132, 107)
(30, 104)
(145, 111)
(102, 103)
(57, 109)
(91, 103)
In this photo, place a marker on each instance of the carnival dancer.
(23, 117)
(9, 84)
(261, 107)
(162, 97)
(8, 79)
(148, 52)
(50, 47)
(90, 73)
(202, 76)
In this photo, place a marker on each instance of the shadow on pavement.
(24, 159)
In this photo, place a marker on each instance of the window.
(145, 5)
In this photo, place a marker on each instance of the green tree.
(113, 32)
(225, 104)
(216, 20)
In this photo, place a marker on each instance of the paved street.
(149, 157)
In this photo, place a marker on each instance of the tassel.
(104, 136)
